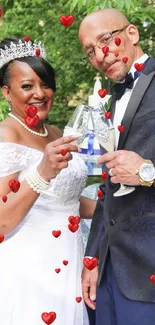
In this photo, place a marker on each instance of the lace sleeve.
(15, 157)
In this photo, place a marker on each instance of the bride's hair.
(39, 65)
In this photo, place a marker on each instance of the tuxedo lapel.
(136, 97)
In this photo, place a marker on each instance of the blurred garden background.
(39, 19)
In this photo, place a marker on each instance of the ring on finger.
(110, 172)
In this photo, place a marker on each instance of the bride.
(41, 180)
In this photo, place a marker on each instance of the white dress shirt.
(122, 103)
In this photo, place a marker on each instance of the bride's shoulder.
(8, 133)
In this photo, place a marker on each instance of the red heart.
(37, 52)
(4, 198)
(121, 128)
(26, 38)
(105, 49)
(63, 152)
(90, 263)
(56, 233)
(78, 299)
(116, 54)
(117, 41)
(139, 66)
(31, 111)
(14, 185)
(32, 122)
(108, 115)
(74, 220)
(125, 59)
(102, 92)
(57, 270)
(1, 13)
(104, 176)
(1, 238)
(65, 262)
(152, 278)
(66, 20)
(49, 318)
(73, 228)
(99, 193)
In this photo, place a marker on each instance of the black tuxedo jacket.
(125, 226)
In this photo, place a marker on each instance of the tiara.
(20, 50)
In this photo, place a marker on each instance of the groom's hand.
(89, 284)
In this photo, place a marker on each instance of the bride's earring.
(9, 106)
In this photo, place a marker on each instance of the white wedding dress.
(29, 284)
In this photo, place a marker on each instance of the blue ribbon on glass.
(90, 150)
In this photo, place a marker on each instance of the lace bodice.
(66, 187)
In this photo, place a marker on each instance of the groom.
(122, 234)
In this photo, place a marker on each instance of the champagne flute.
(105, 134)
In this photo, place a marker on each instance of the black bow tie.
(128, 83)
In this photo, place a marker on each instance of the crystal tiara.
(20, 50)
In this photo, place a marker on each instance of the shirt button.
(112, 222)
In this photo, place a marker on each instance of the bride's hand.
(56, 157)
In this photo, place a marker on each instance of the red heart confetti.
(57, 270)
(116, 54)
(90, 263)
(26, 38)
(105, 49)
(56, 233)
(4, 198)
(48, 318)
(74, 220)
(104, 176)
(108, 115)
(152, 278)
(102, 92)
(31, 111)
(65, 262)
(66, 20)
(99, 193)
(139, 66)
(125, 59)
(73, 228)
(63, 152)
(37, 52)
(1, 13)
(78, 299)
(121, 128)
(32, 122)
(1, 238)
(14, 185)
(117, 41)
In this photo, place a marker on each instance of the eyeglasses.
(102, 41)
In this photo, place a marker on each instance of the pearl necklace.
(45, 134)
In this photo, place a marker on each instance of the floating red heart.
(121, 128)
(78, 299)
(108, 115)
(31, 111)
(90, 263)
(152, 278)
(1, 13)
(99, 193)
(57, 270)
(65, 262)
(14, 185)
(102, 92)
(32, 122)
(66, 20)
(56, 233)
(105, 49)
(116, 54)
(37, 52)
(117, 41)
(125, 59)
(26, 38)
(73, 228)
(63, 152)
(4, 198)
(139, 66)
(1, 238)
(49, 318)
(104, 176)
(74, 220)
